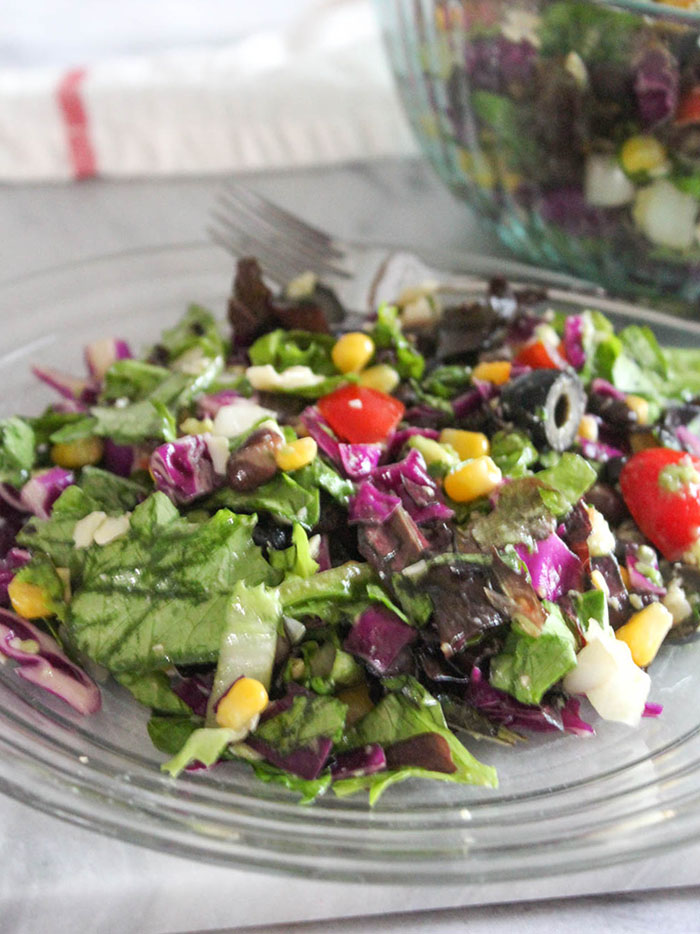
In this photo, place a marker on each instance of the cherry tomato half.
(539, 356)
(665, 503)
(359, 414)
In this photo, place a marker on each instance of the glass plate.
(564, 804)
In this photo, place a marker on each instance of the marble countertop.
(63, 878)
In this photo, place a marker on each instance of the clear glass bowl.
(564, 804)
(571, 126)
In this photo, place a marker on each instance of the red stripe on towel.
(75, 122)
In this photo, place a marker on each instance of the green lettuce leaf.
(513, 453)
(410, 710)
(132, 379)
(309, 789)
(564, 484)
(17, 447)
(170, 733)
(283, 497)
(387, 334)
(529, 665)
(205, 745)
(153, 690)
(161, 595)
(197, 328)
(283, 349)
(249, 637)
(310, 717)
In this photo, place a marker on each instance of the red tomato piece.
(359, 414)
(661, 488)
(688, 108)
(539, 356)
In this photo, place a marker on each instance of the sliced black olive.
(547, 403)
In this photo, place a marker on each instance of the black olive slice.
(548, 404)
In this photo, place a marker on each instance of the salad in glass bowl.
(336, 556)
(573, 128)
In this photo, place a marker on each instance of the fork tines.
(246, 224)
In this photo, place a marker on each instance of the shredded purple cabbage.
(656, 85)
(573, 341)
(41, 662)
(100, 355)
(319, 429)
(119, 458)
(370, 505)
(359, 460)
(410, 481)
(358, 762)
(68, 386)
(507, 711)
(379, 637)
(183, 469)
(40, 493)
(604, 388)
(554, 570)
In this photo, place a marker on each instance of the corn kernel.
(78, 453)
(352, 352)
(28, 600)
(493, 371)
(588, 428)
(296, 454)
(244, 700)
(642, 154)
(467, 444)
(645, 631)
(640, 407)
(382, 377)
(472, 478)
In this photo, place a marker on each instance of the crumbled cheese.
(240, 415)
(676, 602)
(266, 378)
(99, 528)
(302, 286)
(111, 528)
(85, 528)
(601, 540)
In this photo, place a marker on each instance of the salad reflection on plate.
(487, 478)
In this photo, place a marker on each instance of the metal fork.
(362, 275)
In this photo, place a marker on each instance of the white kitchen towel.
(318, 91)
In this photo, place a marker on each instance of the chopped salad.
(338, 554)
(572, 125)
